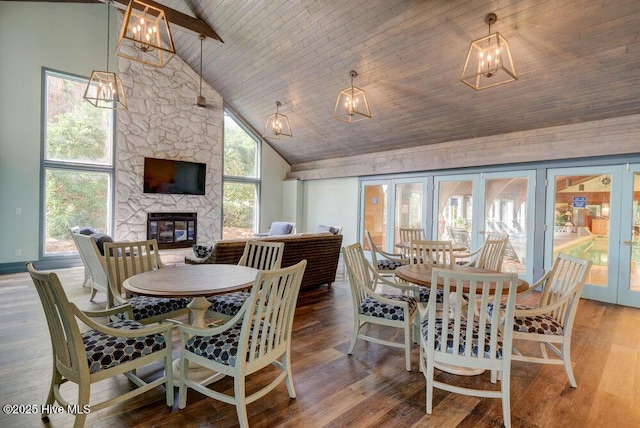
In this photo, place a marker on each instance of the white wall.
(64, 37)
(333, 202)
(274, 170)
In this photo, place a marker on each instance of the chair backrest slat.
(491, 254)
(125, 259)
(568, 276)
(269, 311)
(431, 252)
(262, 255)
(468, 299)
(359, 271)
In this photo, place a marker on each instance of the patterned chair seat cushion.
(147, 307)
(426, 291)
(104, 351)
(462, 343)
(228, 303)
(374, 308)
(388, 265)
(539, 324)
(221, 348)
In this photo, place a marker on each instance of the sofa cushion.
(280, 228)
(87, 231)
(100, 239)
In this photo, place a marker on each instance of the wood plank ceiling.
(577, 60)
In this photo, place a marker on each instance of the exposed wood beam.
(196, 25)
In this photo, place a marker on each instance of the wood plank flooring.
(368, 389)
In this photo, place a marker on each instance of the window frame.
(257, 180)
(58, 165)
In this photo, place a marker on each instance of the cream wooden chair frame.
(70, 362)
(126, 259)
(409, 234)
(561, 289)
(363, 280)
(378, 255)
(451, 320)
(258, 255)
(431, 252)
(93, 263)
(489, 256)
(263, 331)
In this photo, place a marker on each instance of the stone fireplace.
(173, 230)
(162, 122)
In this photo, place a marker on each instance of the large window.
(241, 181)
(77, 163)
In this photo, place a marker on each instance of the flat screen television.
(174, 177)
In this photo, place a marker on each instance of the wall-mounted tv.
(174, 177)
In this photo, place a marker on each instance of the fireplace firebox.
(173, 230)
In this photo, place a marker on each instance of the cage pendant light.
(489, 61)
(145, 35)
(351, 105)
(104, 89)
(277, 125)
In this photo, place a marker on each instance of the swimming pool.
(595, 250)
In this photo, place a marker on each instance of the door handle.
(627, 242)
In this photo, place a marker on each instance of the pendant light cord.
(201, 39)
(108, 30)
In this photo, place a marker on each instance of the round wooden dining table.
(420, 274)
(195, 281)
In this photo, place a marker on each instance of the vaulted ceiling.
(577, 60)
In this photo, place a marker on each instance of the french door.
(595, 215)
(388, 205)
(473, 207)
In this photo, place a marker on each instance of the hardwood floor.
(368, 389)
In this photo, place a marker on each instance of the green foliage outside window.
(77, 140)
(239, 197)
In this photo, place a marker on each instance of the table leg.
(198, 307)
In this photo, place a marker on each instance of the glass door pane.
(374, 209)
(455, 210)
(580, 211)
(629, 289)
(634, 262)
(408, 207)
(508, 214)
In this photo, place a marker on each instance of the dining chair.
(94, 263)
(430, 252)
(100, 353)
(454, 336)
(258, 255)
(386, 309)
(126, 259)
(408, 234)
(384, 263)
(256, 337)
(488, 256)
(550, 321)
